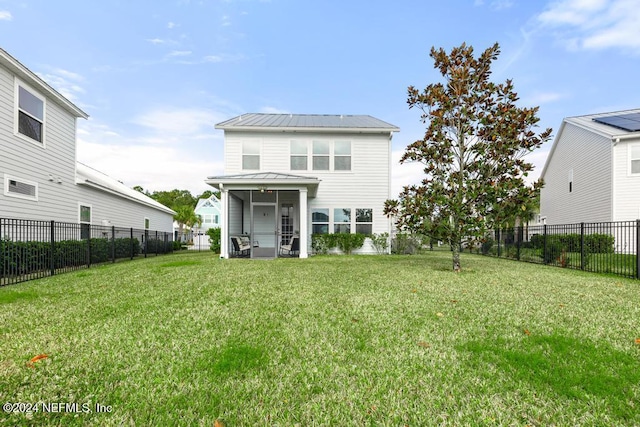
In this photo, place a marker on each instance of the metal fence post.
(520, 233)
(582, 254)
(53, 248)
(637, 251)
(89, 247)
(131, 244)
(113, 243)
(544, 245)
(157, 243)
(498, 239)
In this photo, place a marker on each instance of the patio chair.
(239, 248)
(293, 248)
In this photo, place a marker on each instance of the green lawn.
(187, 339)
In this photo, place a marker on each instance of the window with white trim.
(342, 220)
(634, 159)
(251, 155)
(30, 108)
(570, 180)
(147, 223)
(342, 156)
(299, 154)
(364, 221)
(320, 221)
(84, 218)
(20, 188)
(321, 155)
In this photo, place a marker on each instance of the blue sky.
(156, 76)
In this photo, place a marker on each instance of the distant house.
(209, 211)
(40, 177)
(592, 173)
(290, 176)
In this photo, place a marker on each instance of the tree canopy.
(472, 151)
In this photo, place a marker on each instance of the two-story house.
(39, 175)
(296, 175)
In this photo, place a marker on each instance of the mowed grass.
(188, 339)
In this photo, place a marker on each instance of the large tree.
(473, 148)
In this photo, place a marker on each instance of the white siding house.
(39, 175)
(292, 175)
(592, 173)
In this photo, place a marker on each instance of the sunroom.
(263, 214)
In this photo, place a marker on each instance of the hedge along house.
(293, 175)
(40, 177)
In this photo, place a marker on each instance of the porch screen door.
(264, 230)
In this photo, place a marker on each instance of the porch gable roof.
(274, 179)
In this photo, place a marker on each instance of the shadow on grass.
(574, 368)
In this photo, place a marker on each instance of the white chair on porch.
(293, 248)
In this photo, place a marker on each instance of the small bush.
(405, 244)
(380, 242)
(214, 239)
(486, 246)
(346, 242)
(553, 252)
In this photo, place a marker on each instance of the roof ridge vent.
(240, 118)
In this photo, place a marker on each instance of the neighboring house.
(40, 177)
(209, 211)
(592, 173)
(296, 175)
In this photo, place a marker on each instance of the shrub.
(346, 242)
(405, 244)
(214, 238)
(380, 242)
(594, 243)
(486, 245)
(553, 252)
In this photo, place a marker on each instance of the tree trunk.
(456, 257)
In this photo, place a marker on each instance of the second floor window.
(342, 156)
(299, 155)
(251, 155)
(634, 159)
(321, 152)
(30, 114)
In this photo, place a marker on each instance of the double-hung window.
(320, 221)
(30, 113)
(342, 156)
(84, 216)
(364, 221)
(321, 155)
(299, 155)
(342, 220)
(251, 155)
(634, 159)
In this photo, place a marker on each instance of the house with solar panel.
(39, 174)
(288, 176)
(592, 173)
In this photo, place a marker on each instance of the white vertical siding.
(589, 155)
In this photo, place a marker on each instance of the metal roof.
(263, 176)
(86, 175)
(589, 122)
(257, 121)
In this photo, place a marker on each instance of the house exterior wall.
(29, 161)
(209, 214)
(365, 186)
(587, 158)
(51, 166)
(626, 188)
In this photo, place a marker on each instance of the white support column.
(304, 221)
(224, 222)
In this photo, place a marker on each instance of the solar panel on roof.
(629, 122)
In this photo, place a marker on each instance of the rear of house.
(290, 175)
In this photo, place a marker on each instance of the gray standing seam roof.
(257, 120)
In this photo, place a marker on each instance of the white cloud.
(179, 124)
(594, 24)
(157, 41)
(65, 82)
(171, 25)
(538, 98)
(223, 58)
(5, 15)
(172, 150)
(175, 53)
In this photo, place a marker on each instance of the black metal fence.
(33, 249)
(602, 247)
